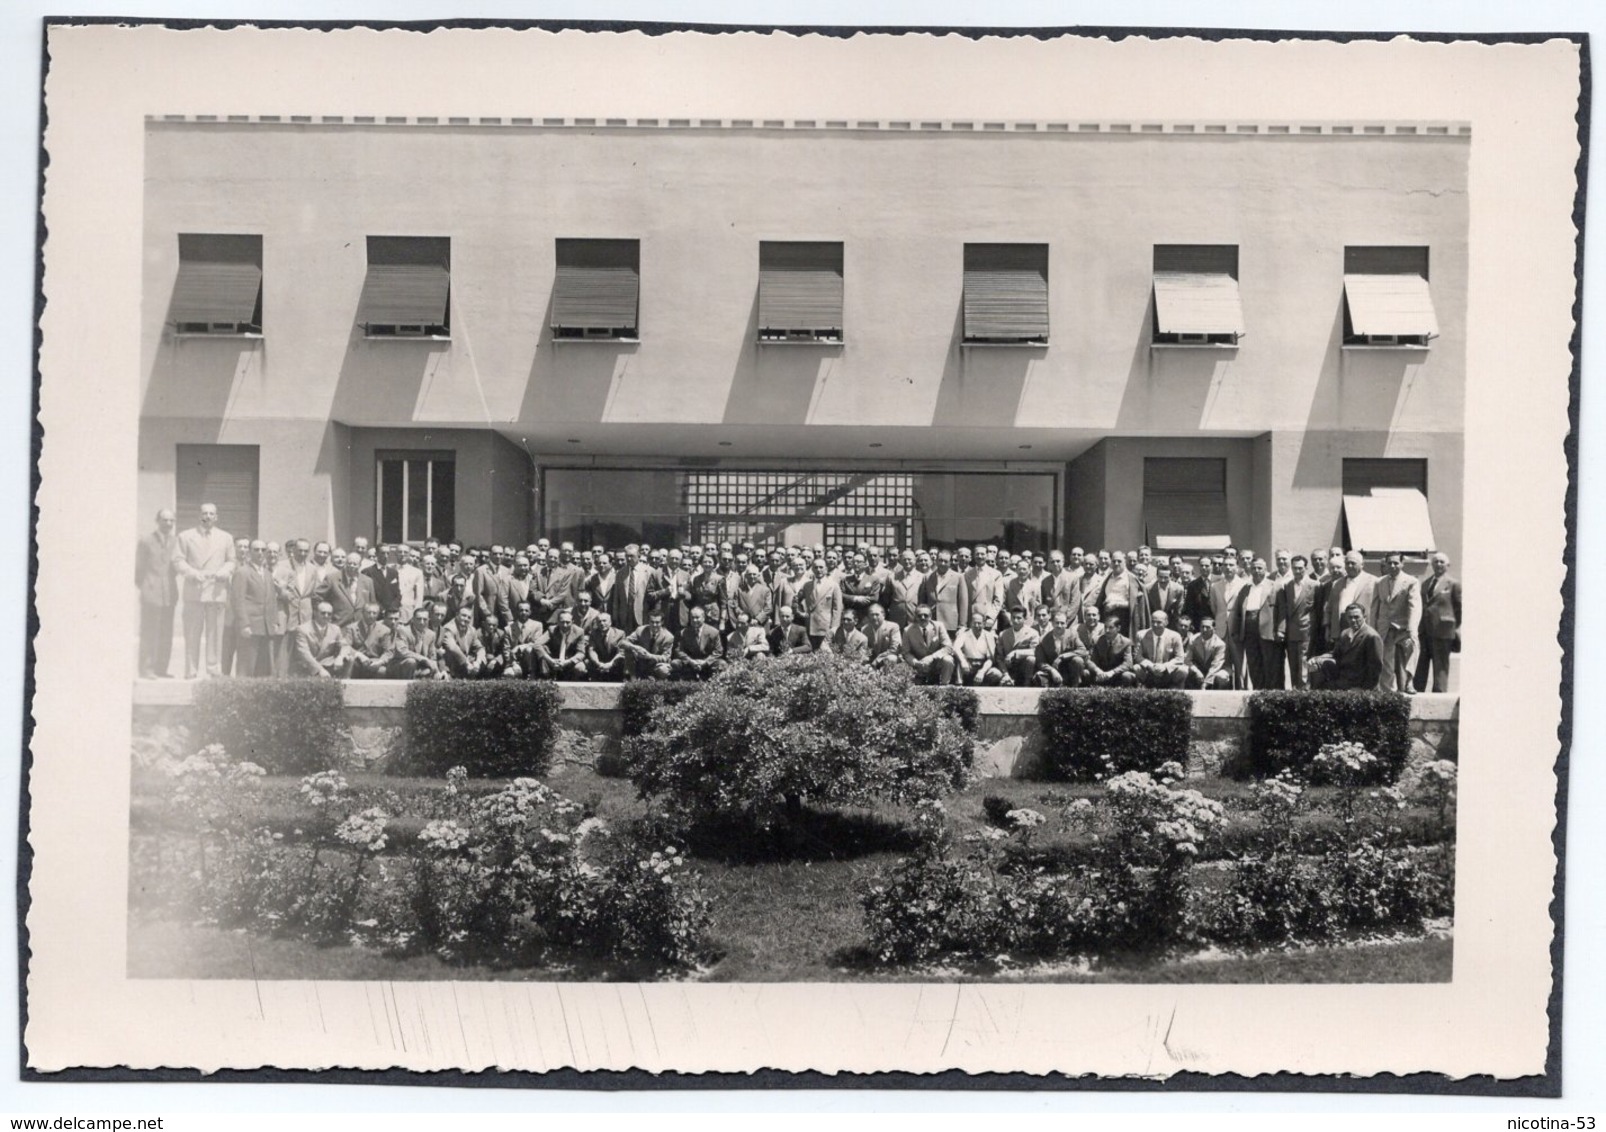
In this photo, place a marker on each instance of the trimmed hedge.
(293, 726)
(491, 728)
(962, 705)
(1092, 733)
(637, 698)
(1288, 729)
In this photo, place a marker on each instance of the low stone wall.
(1009, 742)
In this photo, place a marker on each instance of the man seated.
(698, 649)
(927, 650)
(416, 647)
(1017, 648)
(605, 654)
(650, 650)
(975, 650)
(1357, 657)
(1206, 655)
(462, 651)
(1109, 663)
(788, 636)
(562, 655)
(320, 647)
(884, 637)
(849, 641)
(1160, 661)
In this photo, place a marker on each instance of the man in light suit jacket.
(203, 559)
(158, 596)
(1159, 660)
(1296, 613)
(1396, 615)
(1440, 632)
(820, 601)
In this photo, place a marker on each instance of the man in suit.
(1440, 631)
(927, 649)
(1159, 659)
(1396, 615)
(1109, 663)
(1356, 661)
(348, 591)
(1206, 659)
(1353, 587)
(320, 647)
(255, 604)
(884, 637)
(158, 597)
(650, 650)
(1296, 613)
(820, 604)
(699, 650)
(203, 560)
(850, 643)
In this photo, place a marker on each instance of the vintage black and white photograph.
(710, 543)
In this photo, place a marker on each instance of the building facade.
(913, 333)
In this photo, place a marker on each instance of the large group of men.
(973, 615)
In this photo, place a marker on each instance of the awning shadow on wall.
(572, 381)
(776, 384)
(1171, 389)
(982, 386)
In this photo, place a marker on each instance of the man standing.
(1440, 632)
(158, 597)
(1296, 607)
(203, 558)
(1396, 615)
(1160, 661)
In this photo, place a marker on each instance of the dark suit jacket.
(153, 570)
(1441, 608)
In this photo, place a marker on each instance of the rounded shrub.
(775, 733)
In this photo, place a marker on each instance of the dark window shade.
(1213, 259)
(219, 280)
(1006, 292)
(1362, 474)
(224, 474)
(408, 282)
(1184, 497)
(799, 287)
(1386, 261)
(598, 285)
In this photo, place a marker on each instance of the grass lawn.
(776, 919)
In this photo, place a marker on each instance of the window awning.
(1197, 302)
(1390, 304)
(800, 287)
(598, 285)
(219, 279)
(405, 294)
(1006, 292)
(1390, 519)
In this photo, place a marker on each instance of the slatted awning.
(1006, 292)
(1390, 304)
(799, 287)
(1390, 519)
(1197, 302)
(219, 279)
(598, 285)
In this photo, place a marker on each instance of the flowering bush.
(772, 733)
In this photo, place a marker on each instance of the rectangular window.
(224, 474)
(219, 287)
(597, 290)
(799, 292)
(1006, 294)
(1386, 506)
(1386, 297)
(407, 292)
(1185, 503)
(1196, 301)
(415, 496)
